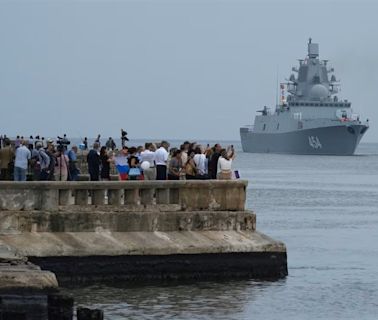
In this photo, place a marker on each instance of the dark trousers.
(5, 174)
(94, 176)
(161, 172)
(44, 176)
(173, 177)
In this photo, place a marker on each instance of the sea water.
(324, 208)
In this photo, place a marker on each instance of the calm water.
(326, 211)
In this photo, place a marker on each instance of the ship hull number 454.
(314, 142)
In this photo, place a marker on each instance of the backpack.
(44, 159)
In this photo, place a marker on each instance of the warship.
(309, 118)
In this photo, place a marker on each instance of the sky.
(173, 69)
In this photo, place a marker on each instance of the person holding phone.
(225, 164)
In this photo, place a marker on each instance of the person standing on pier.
(175, 166)
(6, 160)
(40, 162)
(161, 157)
(105, 164)
(123, 138)
(201, 163)
(94, 161)
(72, 164)
(225, 164)
(23, 155)
(61, 168)
(17, 142)
(98, 139)
(85, 143)
(213, 163)
(110, 144)
(148, 156)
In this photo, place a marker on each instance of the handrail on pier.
(180, 195)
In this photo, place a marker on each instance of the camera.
(61, 147)
(62, 143)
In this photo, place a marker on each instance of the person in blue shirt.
(72, 163)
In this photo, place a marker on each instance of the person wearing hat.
(40, 162)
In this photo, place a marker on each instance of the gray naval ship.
(309, 119)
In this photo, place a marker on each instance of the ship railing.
(355, 117)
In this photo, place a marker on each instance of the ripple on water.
(323, 208)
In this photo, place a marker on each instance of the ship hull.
(332, 140)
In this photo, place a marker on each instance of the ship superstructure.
(310, 119)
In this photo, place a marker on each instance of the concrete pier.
(137, 230)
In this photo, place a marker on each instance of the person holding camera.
(225, 163)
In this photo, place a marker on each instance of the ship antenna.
(277, 87)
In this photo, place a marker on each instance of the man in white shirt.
(161, 158)
(148, 156)
(21, 162)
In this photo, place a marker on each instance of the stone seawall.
(137, 230)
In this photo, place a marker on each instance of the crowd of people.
(160, 162)
(39, 158)
(45, 159)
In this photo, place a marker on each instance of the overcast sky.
(172, 69)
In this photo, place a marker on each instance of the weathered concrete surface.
(136, 230)
(17, 273)
(24, 287)
(25, 277)
(216, 195)
(44, 244)
(85, 219)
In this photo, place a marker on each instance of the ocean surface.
(324, 208)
